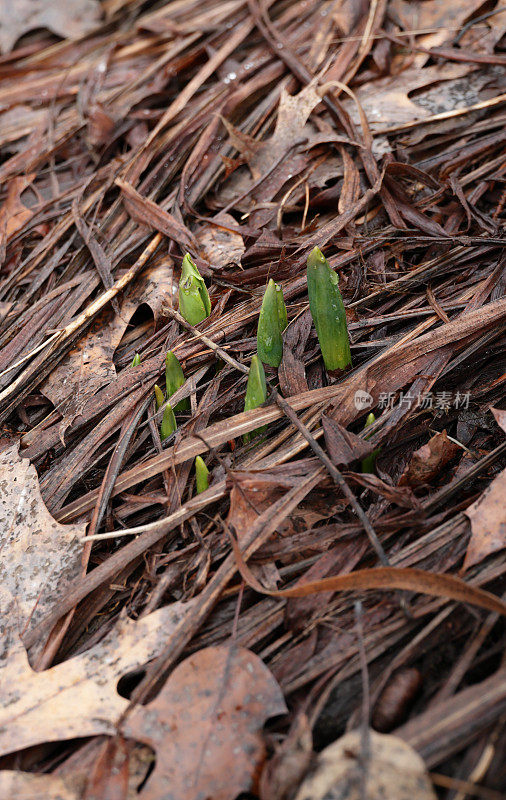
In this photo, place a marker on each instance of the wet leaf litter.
(252, 336)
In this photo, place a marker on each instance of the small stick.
(335, 474)
(209, 342)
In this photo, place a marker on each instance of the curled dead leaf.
(488, 522)
(393, 769)
(429, 460)
(205, 725)
(343, 446)
(415, 580)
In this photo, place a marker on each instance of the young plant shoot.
(137, 360)
(174, 379)
(159, 397)
(201, 475)
(169, 423)
(271, 323)
(369, 462)
(283, 316)
(194, 302)
(256, 391)
(327, 309)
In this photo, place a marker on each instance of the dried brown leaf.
(439, 20)
(30, 786)
(269, 158)
(292, 374)
(387, 101)
(488, 522)
(13, 214)
(393, 769)
(343, 446)
(89, 365)
(429, 460)
(38, 556)
(110, 773)
(500, 417)
(291, 128)
(220, 246)
(70, 19)
(77, 697)
(285, 770)
(147, 212)
(251, 493)
(206, 724)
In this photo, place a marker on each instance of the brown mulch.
(246, 134)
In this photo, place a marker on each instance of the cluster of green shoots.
(327, 310)
(194, 306)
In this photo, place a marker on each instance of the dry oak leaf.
(387, 101)
(39, 557)
(437, 23)
(500, 417)
(13, 214)
(268, 158)
(220, 246)
(29, 786)
(77, 697)
(488, 522)
(429, 460)
(393, 770)
(70, 19)
(206, 726)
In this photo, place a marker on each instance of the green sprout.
(194, 302)
(271, 323)
(327, 309)
(369, 462)
(169, 423)
(136, 361)
(201, 475)
(159, 397)
(283, 316)
(256, 392)
(174, 379)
